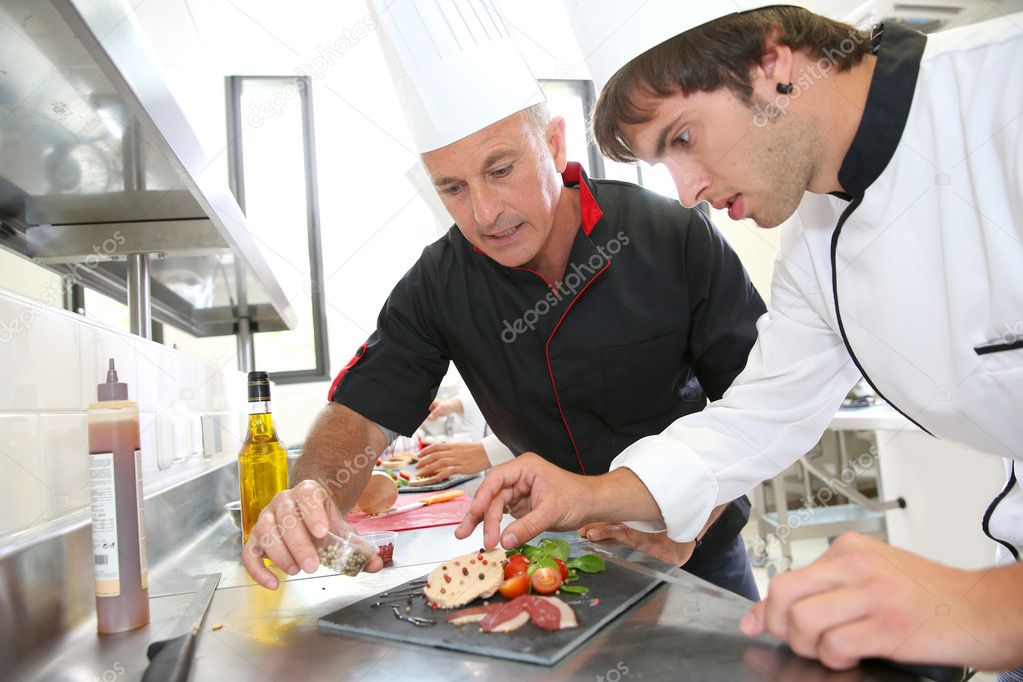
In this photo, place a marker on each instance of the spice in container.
(384, 542)
(344, 552)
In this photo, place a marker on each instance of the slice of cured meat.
(473, 614)
(568, 619)
(512, 624)
(509, 616)
(542, 613)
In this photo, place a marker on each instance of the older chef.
(899, 159)
(582, 314)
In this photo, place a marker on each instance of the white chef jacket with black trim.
(913, 277)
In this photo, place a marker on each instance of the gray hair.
(539, 116)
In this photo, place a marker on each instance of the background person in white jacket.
(898, 158)
(462, 457)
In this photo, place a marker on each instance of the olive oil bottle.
(262, 461)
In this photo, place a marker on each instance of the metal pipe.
(246, 352)
(138, 295)
(74, 298)
(854, 495)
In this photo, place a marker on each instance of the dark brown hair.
(718, 54)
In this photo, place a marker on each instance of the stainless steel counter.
(680, 631)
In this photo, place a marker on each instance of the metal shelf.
(103, 181)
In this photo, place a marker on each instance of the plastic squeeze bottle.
(118, 528)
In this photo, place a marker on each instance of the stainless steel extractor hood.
(98, 163)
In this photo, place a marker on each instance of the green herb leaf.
(575, 589)
(543, 562)
(555, 549)
(588, 563)
(531, 552)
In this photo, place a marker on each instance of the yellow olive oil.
(262, 461)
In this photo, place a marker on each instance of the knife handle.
(170, 659)
(442, 497)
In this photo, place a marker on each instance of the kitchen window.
(272, 168)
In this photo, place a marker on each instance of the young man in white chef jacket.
(898, 159)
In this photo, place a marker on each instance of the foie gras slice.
(463, 579)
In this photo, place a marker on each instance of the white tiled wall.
(50, 363)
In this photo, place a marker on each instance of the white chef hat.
(611, 33)
(455, 67)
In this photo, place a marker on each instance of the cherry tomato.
(515, 586)
(563, 568)
(517, 565)
(546, 580)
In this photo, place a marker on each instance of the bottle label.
(104, 525)
(143, 559)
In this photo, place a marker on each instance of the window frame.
(303, 85)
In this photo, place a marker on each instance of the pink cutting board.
(441, 514)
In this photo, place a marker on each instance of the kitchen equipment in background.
(118, 526)
(262, 461)
(861, 395)
(234, 511)
(170, 660)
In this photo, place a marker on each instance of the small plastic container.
(344, 552)
(384, 542)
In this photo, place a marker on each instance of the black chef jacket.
(654, 315)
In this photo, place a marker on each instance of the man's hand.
(444, 407)
(448, 459)
(656, 545)
(863, 598)
(287, 530)
(537, 493)
(543, 497)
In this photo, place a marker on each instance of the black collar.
(884, 115)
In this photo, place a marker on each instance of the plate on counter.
(611, 594)
(441, 485)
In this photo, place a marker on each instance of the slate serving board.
(617, 588)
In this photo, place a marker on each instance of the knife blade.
(170, 660)
(936, 673)
(432, 499)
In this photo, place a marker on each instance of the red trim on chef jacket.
(550, 369)
(344, 370)
(591, 213)
(588, 208)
